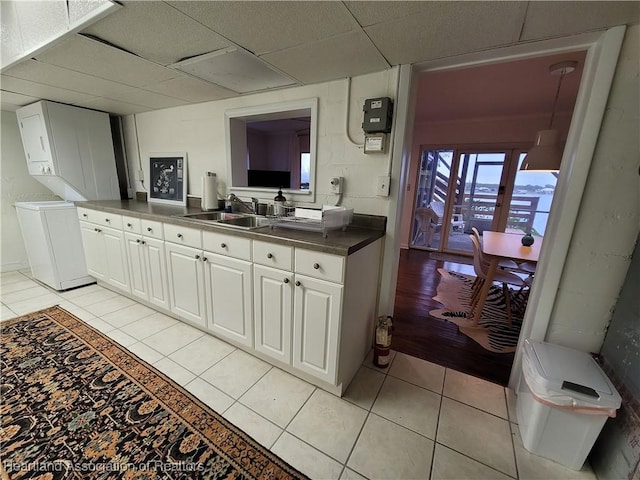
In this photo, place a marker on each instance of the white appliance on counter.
(69, 150)
(52, 238)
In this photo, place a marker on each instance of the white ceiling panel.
(552, 19)
(263, 27)
(113, 106)
(12, 101)
(448, 28)
(39, 90)
(191, 90)
(157, 31)
(94, 58)
(41, 21)
(337, 57)
(145, 98)
(370, 13)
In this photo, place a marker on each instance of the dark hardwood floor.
(417, 334)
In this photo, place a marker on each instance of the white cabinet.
(70, 150)
(106, 254)
(229, 295)
(273, 311)
(185, 270)
(316, 327)
(147, 269)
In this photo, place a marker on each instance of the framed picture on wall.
(168, 178)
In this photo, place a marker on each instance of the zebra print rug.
(492, 331)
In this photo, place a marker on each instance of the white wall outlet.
(383, 186)
(336, 185)
(139, 175)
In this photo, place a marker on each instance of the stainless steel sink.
(245, 221)
(210, 216)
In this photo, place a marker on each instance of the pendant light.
(546, 153)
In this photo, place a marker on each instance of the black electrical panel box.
(377, 115)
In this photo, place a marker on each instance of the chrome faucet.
(243, 206)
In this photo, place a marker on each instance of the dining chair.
(481, 268)
(503, 262)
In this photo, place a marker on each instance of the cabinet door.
(35, 142)
(186, 282)
(115, 255)
(229, 289)
(316, 320)
(137, 269)
(93, 244)
(272, 311)
(156, 269)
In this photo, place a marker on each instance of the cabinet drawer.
(324, 266)
(105, 219)
(181, 235)
(224, 244)
(273, 255)
(131, 224)
(152, 229)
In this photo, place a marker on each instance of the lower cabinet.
(185, 271)
(148, 269)
(273, 312)
(229, 297)
(316, 327)
(106, 255)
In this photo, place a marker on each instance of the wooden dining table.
(497, 246)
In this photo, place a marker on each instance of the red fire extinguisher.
(382, 349)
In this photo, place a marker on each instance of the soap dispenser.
(278, 203)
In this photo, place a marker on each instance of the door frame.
(602, 48)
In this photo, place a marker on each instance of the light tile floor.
(412, 420)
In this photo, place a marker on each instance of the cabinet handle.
(143, 242)
(149, 229)
(197, 257)
(269, 255)
(129, 225)
(137, 240)
(95, 229)
(205, 259)
(316, 266)
(98, 230)
(298, 283)
(286, 280)
(223, 245)
(179, 235)
(42, 143)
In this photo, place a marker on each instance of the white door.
(137, 269)
(116, 257)
(93, 250)
(316, 319)
(186, 282)
(229, 289)
(35, 142)
(156, 270)
(272, 311)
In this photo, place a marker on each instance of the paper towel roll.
(209, 191)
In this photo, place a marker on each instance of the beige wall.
(199, 130)
(17, 186)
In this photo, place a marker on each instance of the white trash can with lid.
(564, 399)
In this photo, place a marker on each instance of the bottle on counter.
(278, 203)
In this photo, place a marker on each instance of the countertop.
(365, 229)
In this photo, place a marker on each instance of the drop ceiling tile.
(552, 19)
(11, 43)
(370, 13)
(191, 90)
(11, 101)
(41, 21)
(263, 27)
(338, 57)
(138, 96)
(100, 60)
(448, 28)
(114, 107)
(157, 31)
(41, 91)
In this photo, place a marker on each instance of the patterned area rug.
(492, 332)
(76, 405)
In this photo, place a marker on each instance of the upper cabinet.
(69, 150)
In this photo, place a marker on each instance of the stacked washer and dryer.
(71, 151)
